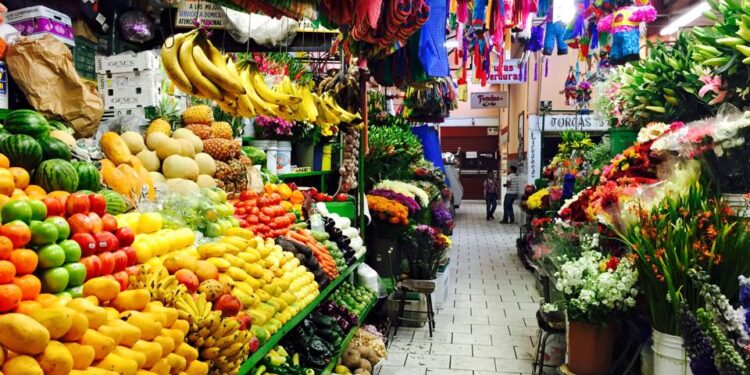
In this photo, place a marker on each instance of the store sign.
(208, 13)
(493, 131)
(513, 72)
(488, 100)
(558, 123)
(534, 152)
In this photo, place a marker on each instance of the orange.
(19, 194)
(46, 299)
(60, 195)
(35, 191)
(20, 177)
(7, 272)
(30, 286)
(6, 247)
(10, 296)
(27, 307)
(4, 162)
(25, 261)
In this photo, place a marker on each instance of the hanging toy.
(624, 25)
(570, 88)
(583, 94)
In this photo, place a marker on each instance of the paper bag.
(43, 69)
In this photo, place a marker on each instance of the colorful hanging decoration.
(624, 25)
(571, 88)
(583, 94)
(555, 35)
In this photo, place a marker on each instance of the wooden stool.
(415, 286)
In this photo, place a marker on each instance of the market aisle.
(487, 325)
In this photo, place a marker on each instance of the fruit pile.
(207, 212)
(196, 67)
(264, 215)
(353, 298)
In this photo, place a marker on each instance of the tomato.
(247, 195)
(264, 218)
(80, 223)
(252, 220)
(313, 191)
(275, 198)
(255, 210)
(342, 197)
(54, 206)
(109, 223)
(77, 203)
(268, 211)
(18, 233)
(96, 220)
(240, 211)
(97, 204)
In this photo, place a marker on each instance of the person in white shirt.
(511, 194)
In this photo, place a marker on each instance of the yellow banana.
(220, 77)
(269, 95)
(261, 106)
(204, 86)
(169, 57)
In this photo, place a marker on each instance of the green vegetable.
(255, 154)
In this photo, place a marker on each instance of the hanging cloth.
(432, 53)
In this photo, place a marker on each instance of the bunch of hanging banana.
(220, 341)
(344, 87)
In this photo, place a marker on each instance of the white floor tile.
(472, 363)
(451, 349)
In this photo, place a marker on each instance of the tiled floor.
(487, 326)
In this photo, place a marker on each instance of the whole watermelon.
(56, 174)
(58, 125)
(22, 151)
(88, 176)
(53, 148)
(26, 121)
(116, 203)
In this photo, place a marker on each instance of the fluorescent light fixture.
(451, 44)
(691, 15)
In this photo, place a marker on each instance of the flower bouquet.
(539, 202)
(426, 248)
(272, 128)
(388, 210)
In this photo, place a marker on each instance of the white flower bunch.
(593, 287)
(652, 131)
(406, 189)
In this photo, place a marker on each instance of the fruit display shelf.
(329, 369)
(254, 359)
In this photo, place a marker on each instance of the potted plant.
(595, 289)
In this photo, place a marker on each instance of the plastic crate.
(344, 209)
(84, 56)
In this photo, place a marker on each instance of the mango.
(118, 364)
(176, 335)
(144, 372)
(130, 333)
(79, 323)
(112, 313)
(104, 289)
(161, 367)
(131, 300)
(83, 355)
(149, 326)
(197, 368)
(2, 356)
(169, 314)
(56, 359)
(96, 315)
(102, 345)
(139, 357)
(176, 363)
(112, 332)
(151, 350)
(167, 344)
(56, 320)
(22, 365)
(188, 352)
(93, 371)
(158, 317)
(22, 334)
(181, 325)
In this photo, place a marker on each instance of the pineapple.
(198, 114)
(223, 172)
(221, 149)
(201, 130)
(221, 129)
(164, 117)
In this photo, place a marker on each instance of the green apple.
(72, 250)
(51, 256)
(55, 280)
(76, 273)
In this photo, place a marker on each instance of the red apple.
(96, 220)
(246, 321)
(133, 270)
(97, 204)
(108, 262)
(125, 235)
(80, 223)
(54, 207)
(87, 243)
(188, 278)
(109, 223)
(77, 203)
(93, 266)
(229, 305)
(106, 241)
(254, 344)
(130, 253)
(121, 260)
(123, 278)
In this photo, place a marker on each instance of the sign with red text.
(513, 72)
(486, 100)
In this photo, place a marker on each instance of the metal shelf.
(258, 356)
(332, 365)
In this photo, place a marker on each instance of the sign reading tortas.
(489, 99)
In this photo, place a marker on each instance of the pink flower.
(712, 85)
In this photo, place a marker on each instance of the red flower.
(612, 263)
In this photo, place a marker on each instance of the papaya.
(83, 355)
(102, 345)
(144, 177)
(181, 325)
(176, 335)
(112, 313)
(57, 320)
(115, 148)
(115, 179)
(22, 334)
(56, 359)
(22, 365)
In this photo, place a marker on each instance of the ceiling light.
(691, 15)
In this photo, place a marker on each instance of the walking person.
(511, 194)
(491, 191)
